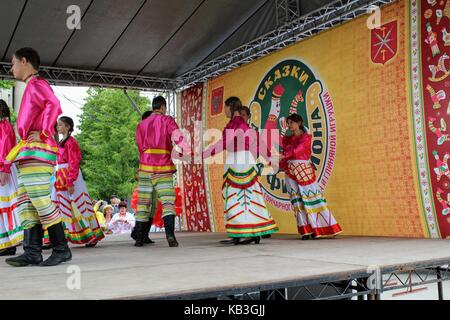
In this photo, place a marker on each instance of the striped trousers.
(34, 203)
(151, 187)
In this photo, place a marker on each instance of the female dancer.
(11, 233)
(314, 219)
(70, 192)
(246, 214)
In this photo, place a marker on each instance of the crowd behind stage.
(118, 215)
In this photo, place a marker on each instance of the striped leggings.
(151, 187)
(34, 203)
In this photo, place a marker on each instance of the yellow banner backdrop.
(352, 86)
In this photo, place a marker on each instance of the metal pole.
(439, 284)
(133, 104)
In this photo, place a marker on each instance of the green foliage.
(107, 140)
(6, 84)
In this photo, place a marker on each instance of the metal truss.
(291, 28)
(410, 278)
(287, 10)
(291, 32)
(172, 103)
(73, 77)
(339, 286)
(335, 287)
(328, 291)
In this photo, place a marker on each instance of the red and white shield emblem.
(384, 43)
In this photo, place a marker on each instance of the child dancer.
(70, 192)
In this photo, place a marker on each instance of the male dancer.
(36, 158)
(156, 169)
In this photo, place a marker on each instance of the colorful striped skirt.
(311, 210)
(77, 211)
(11, 232)
(246, 214)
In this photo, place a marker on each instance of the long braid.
(68, 121)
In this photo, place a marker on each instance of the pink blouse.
(7, 142)
(297, 147)
(70, 154)
(234, 140)
(155, 137)
(39, 111)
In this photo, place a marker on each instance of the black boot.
(256, 240)
(169, 226)
(8, 252)
(32, 247)
(140, 228)
(61, 252)
(147, 230)
(133, 233)
(230, 241)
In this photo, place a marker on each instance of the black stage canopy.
(148, 44)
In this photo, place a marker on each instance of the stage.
(201, 268)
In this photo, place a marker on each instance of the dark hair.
(247, 110)
(123, 204)
(30, 55)
(4, 110)
(234, 103)
(297, 118)
(158, 103)
(69, 122)
(146, 114)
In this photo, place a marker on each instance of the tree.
(107, 140)
(6, 84)
(9, 84)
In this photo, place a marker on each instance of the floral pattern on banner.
(430, 63)
(195, 200)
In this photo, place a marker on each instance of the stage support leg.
(374, 296)
(439, 284)
(360, 288)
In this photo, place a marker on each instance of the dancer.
(70, 192)
(155, 203)
(11, 233)
(314, 219)
(36, 157)
(247, 115)
(246, 214)
(156, 169)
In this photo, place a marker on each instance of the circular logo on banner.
(292, 87)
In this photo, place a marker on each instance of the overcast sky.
(73, 98)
